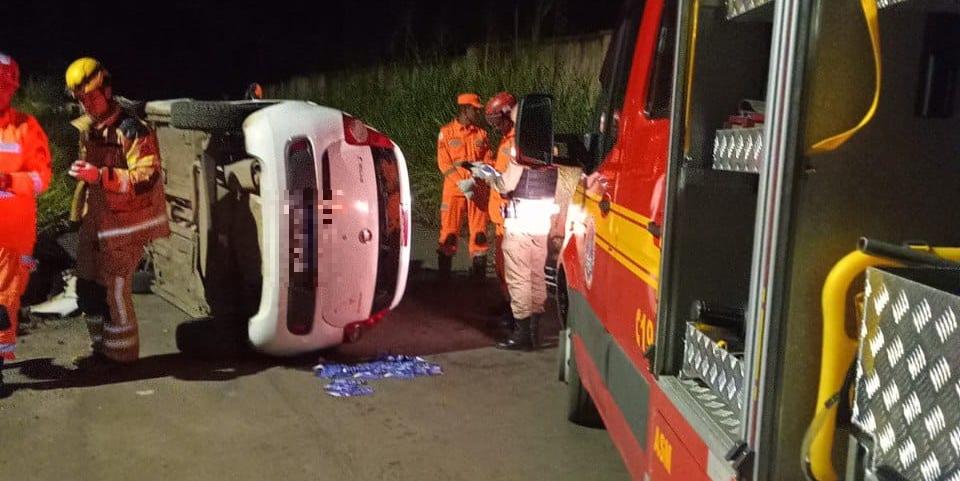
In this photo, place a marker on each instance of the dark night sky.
(205, 49)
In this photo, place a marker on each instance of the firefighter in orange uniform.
(497, 112)
(463, 140)
(24, 174)
(120, 205)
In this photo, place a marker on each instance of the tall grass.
(407, 102)
(44, 99)
(410, 102)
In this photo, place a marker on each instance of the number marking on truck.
(644, 331)
(662, 448)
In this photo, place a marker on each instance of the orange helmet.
(9, 72)
(500, 104)
(470, 99)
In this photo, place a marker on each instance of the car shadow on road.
(45, 374)
(439, 316)
(207, 351)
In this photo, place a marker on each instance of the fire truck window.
(613, 78)
(660, 92)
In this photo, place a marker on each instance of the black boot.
(478, 271)
(501, 316)
(520, 337)
(444, 265)
(535, 331)
(507, 321)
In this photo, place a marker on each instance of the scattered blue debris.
(350, 380)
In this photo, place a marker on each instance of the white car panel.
(347, 263)
(352, 263)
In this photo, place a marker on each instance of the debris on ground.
(61, 305)
(350, 380)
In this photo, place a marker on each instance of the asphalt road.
(493, 415)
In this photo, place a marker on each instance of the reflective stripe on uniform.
(107, 234)
(7, 347)
(118, 298)
(29, 262)
(120, 343)
(118, 329)
(37, 182)
(124, 184)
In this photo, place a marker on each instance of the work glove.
(488, 174)
(85, 171)
(466, 186)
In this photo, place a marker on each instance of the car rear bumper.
(269, 329)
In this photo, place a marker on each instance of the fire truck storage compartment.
(897, 180)
(713, 237)
(711, 248)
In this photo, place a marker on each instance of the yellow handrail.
(839, 349)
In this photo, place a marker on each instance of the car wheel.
(580, 407)
(212, 116)
(211, 338)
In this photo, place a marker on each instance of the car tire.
(211, 338)
(212, 116)
(580, 407)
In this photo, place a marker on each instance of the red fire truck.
(740, 151)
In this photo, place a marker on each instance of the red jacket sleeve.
(34, 177)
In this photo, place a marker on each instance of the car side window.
(660, 90)
(613, 80)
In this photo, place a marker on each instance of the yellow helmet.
(86, 74)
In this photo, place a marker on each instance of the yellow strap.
(691, 55)
(78, 202)
(831, 143)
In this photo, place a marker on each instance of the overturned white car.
(286, 215)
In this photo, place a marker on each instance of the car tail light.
(351, 332)
(357, 133)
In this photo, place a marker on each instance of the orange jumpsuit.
(495, 208)
(458, 143)
(25, 156)
(119, 216)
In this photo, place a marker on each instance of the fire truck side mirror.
(535, 130)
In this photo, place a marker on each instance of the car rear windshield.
(388, 198)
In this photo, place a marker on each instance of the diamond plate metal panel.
(908, 373)
(720, 371)
(716, 407)
(739, 7)
(887, 3)
(738, 150)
